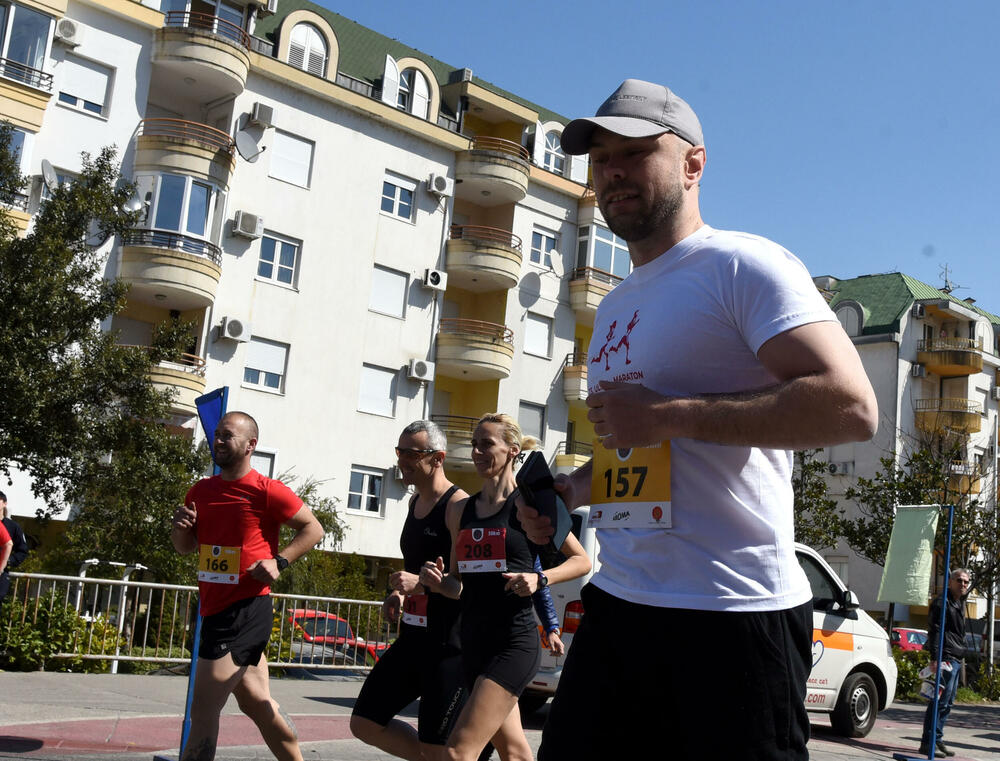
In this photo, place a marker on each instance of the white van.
(853, 673)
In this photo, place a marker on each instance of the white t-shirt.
(694, 319)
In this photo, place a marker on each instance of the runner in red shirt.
(232, 521)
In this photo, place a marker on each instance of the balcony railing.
(575, 447)
(576, 358)
(189, 363)
(486, 235)
(206, 22)
(499, 145)
(456, 425)
(479, 329)
(592, 273)
(26, 75)
(950, 344)
(174, 241)
(210, 137)
(948, 405)
(262, 46)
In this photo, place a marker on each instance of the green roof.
(363, 52)
(886, 298)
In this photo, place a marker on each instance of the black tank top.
(483, 594)
(424, 539)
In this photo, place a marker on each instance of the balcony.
(587, 286)
(964, 478)
(18, 213)
(458, 430)
(483, 258)
(571, 455)
(24, 93)
(493, 172)
(956, 415)
(176, 145)
(207, 49)
(951, 357)
(170, 269)
(575, 377)
(185, 378)
(474, 350)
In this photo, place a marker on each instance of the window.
(537, 335)
(291, 158)
(413, 95)
(531, 418)
(388, 294)
(378, 391)
(307, 50)
(24, 36)
(279, 259)
(84, 84)
(397, 196)
(182, 204)
(263, 463)
(601, 249)
(265, 364)
(365, 490)
(555, 159)
(543, 243)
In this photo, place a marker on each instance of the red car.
(323, 632)
(908, 639)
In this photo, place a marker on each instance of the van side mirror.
(847, 600)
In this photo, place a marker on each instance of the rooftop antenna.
(948, 286)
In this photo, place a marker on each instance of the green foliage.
(80, 415)
(32, 635)
(818, 520)
(988, 684)
(908, 665)
(967, 695)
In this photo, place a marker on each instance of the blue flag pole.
(932, 743)
(211, 408)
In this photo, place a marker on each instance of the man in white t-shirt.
(709, 364)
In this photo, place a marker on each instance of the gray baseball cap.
(636, 109)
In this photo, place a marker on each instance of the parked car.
(908, 639)
(321, 637)
(853, 672)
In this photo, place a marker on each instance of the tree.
(818, 520)
(80, 416)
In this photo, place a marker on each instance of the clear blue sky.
(862, 136)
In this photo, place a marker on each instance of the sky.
(862, 136)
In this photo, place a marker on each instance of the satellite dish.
(133, 204)
(49, 176)
(247, 146)
(557, 263)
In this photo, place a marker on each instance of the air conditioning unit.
(234, 329)
(248, 225)
(440, 185)
(841, 468)
(435, 280)
(268, 7)
(69, 32)
(995, 393)
(262, 115)
(420, 370)
(918, 311)
(395, 472)
(918, 371)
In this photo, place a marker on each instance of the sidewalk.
(103, 717)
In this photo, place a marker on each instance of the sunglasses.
(412, 453)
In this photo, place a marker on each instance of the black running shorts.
(242, 630)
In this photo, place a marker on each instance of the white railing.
(119, 621)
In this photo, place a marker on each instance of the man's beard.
(645, 223)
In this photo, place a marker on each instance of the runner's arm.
(182, 531)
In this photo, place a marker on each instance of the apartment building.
(934, 361)
(362, 234)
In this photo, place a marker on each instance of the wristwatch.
(282, 563)
(543, 580)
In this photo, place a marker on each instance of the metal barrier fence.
(119, 620)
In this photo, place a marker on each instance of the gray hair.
(435, 436)
(956, 571)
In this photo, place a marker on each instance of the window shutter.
(538, 154)
(421, 96)
(267, 356)
(578, 168)
(390, 82)
(317, 62)
(85, 80)
(297, 55)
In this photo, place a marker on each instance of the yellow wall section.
(473, 125)
(489, 307)
(470, 398)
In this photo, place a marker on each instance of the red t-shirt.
(241, 518)
(4, 536)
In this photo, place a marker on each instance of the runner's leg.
(489, 706)
(214, 682)
(254, 697)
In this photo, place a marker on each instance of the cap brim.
(576, 136)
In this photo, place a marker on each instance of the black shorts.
(700, 684)
(509, 654)
(242, 630)
(416, 667)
